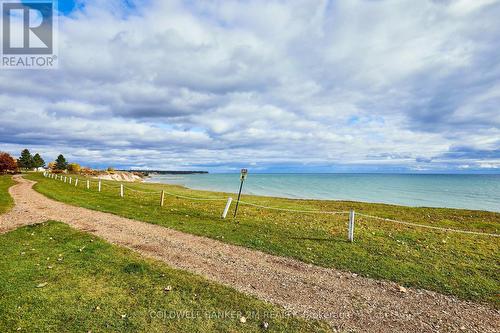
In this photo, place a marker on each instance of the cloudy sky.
(280, 86)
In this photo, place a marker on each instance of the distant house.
(40, 169)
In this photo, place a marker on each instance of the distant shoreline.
(167, 172)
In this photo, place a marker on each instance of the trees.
(38, 161)
(61, 163)
(7, 163)
(25, 161)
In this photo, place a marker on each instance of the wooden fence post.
(70, 180)
(350, 234)
(76, 182)
(162, 198)
(99, 186)
(88, 184)
(121, 190)
(226, 209)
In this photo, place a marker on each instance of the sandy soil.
(121, 176)
(347, 301)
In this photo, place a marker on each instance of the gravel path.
(347, 301)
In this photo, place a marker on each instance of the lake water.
(480, 192)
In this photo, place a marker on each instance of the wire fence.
(350, 213)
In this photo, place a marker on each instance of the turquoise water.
(480, 192)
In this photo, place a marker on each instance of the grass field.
(460, 264)
(56, 279)
(5, 199)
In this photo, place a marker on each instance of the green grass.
(6, 201)
(106, 288)
(459, 264)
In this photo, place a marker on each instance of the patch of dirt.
(347, 301)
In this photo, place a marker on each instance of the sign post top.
(243, 175)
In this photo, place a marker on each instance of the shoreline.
(150, 180)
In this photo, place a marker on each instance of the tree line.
(27, 161)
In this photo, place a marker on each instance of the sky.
(274, 86)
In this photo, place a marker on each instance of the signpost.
(243, 176)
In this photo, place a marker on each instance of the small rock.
(98, 308)
(41, 285)
(243, 320)
(167, 288)
(49, 267)
(124, 316)
(462, 328)
(59, 259)
(403, 289)
(23, 253)
(354, 275)
(81, 250)
(265, 325)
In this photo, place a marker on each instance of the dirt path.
(347, 301)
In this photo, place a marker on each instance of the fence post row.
(226, 209)
(350, 234)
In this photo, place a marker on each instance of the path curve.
(345, 300)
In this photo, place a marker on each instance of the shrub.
(111, 170)
(74, 167)
(89, 172)
(7, 163)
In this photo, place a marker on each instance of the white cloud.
(267, 83)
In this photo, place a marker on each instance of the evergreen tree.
(26, 160)
(61, 163)
(38, 161)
